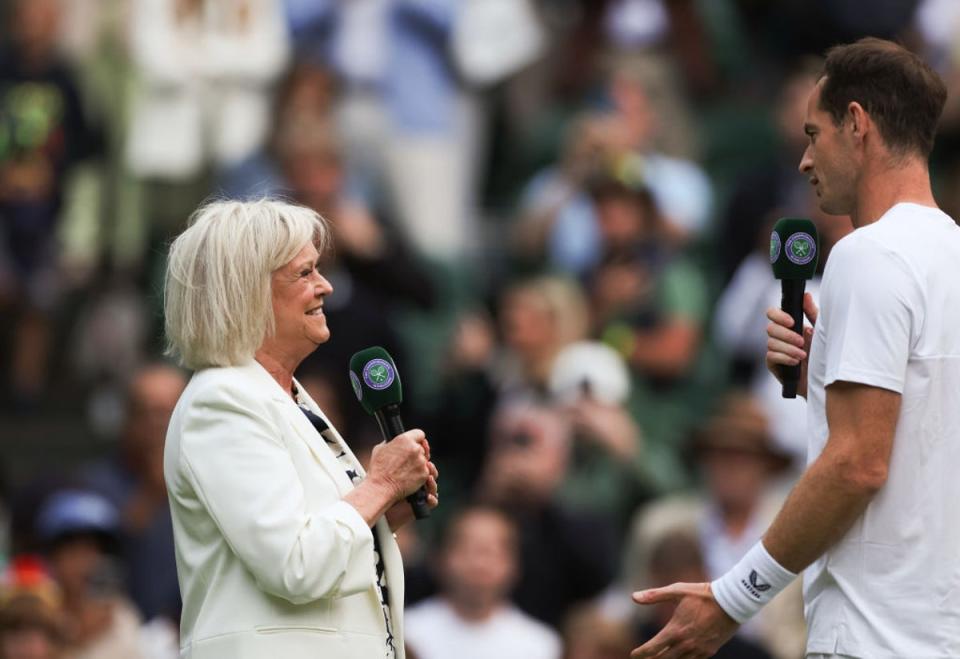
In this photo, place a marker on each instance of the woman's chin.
(320, 337)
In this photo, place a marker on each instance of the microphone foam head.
(794, 248)
(375, 379)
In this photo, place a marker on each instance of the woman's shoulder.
(227, 400)
(247, 390)
(247, 379)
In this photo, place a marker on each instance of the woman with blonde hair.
(284, 543)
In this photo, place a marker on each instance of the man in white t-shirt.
(872, 521)
(472, 618)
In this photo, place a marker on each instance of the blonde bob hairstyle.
(217, 293)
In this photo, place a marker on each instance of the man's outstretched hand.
(697, 628)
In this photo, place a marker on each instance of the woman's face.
(528, 325)
(298, 292)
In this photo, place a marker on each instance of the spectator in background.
(538, 317)
(468, 397)
(43, 133)
(649, 301)
(527, 461)
(739, 464)
(556, 220)
(556, 207)
(202, 105)
(410, 130)
(206, 68)
(133, 482)
(671, 38)
(772, 189)
(472, 617)
(31, 618)
(590, 634)
(305, 95)
(591, 384)
(632, 127)
(80, 531)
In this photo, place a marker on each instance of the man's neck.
(881, 190)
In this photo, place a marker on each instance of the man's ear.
(859, 120)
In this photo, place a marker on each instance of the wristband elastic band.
(750, 584)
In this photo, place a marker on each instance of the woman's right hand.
(787, 347)
(397, 468)
(401, 465)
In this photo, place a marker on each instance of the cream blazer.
(272, 563)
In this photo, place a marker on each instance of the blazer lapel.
(393, 568)
(332, 432)
(298, 421)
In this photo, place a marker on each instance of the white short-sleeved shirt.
(890, 318)
(434, 631)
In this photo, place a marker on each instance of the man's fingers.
(672, 592)
(781, 352)
(810, 309)
(655, 646)
(786, 334)
(693, 632)
(779, 317)
(655, 595)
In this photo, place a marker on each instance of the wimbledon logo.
(774, 246)
(801, 248)
(357, 389)
(378, 374)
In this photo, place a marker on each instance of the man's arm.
(825, 503)
(837, 487)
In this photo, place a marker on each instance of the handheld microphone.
(376, 382)
(794, 249)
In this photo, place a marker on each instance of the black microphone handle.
(391, 425)
(791, 301)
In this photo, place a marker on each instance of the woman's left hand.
(400, 513)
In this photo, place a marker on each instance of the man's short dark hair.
(902, 94)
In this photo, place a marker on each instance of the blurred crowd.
(553, 213)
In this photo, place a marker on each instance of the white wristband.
(750, 584)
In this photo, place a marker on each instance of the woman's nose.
(324, 287)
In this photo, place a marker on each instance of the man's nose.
(806, 162)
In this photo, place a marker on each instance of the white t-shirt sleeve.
(873, 308)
